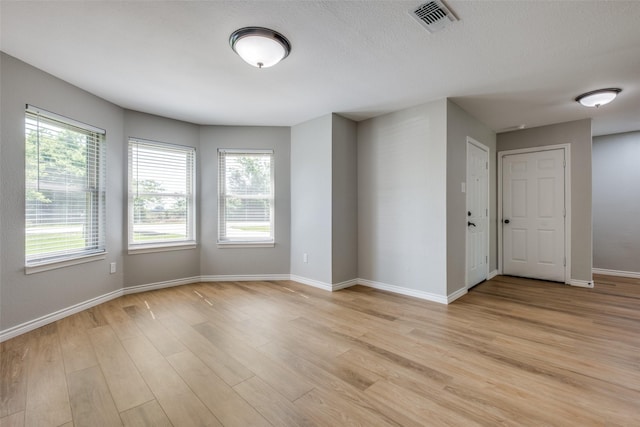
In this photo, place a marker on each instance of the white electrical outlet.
(112, 267)
(305, 258)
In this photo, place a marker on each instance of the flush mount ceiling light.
(599, 97)
(260, 47)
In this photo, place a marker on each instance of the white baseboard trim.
(492, 274)
(404, 291)
(618, 273)
(581, 283)
(457, 294)
(60, 314)
(311, 282)
(322, 285)
(344, 285)
(244, 278)
(159, 285)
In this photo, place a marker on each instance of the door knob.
(506, 221)
(469, 223)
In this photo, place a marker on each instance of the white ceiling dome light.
(598, 97)
(260, 47)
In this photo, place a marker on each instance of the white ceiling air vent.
(433, 15)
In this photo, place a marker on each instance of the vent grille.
(434, 16)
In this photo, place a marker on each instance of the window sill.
(46, 266)
(242, 245)
(147, 249)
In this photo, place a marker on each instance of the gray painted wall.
(145, 268)
(616, 202)
(344, 205)
(402, 210)
(578, 134)
(460, 125)
(243, 261)
(324, 211)
(27, 297)
(311, 199)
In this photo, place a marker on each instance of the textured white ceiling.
(506, 62)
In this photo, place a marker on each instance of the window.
(245, 197)
(64, 190)
(161, 196)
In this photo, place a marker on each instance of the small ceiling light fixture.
(599, 97)
(260, 47)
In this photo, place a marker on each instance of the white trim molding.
(245, 245)
(344, 285)
(580, 283)
(159, 285)
(60, 314)
(617, 273)
(457, 294)
(311, 282)
(404, 291)
(244, 278)
(492, 274)
(46, 266)
(148, 249)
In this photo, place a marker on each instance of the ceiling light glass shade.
(260, 47)
(598, 97)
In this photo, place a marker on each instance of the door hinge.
(564, 262)
(486, 212)
(486, 259)
(564, 213)
(486, 164)
(564, 163)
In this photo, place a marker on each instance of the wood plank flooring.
(511, 352)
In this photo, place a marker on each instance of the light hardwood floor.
(512, 352)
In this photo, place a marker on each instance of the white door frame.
(567, 201)
(487, 222)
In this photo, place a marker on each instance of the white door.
(477, 191)
(533, 212)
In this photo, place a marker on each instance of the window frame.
(245, 243)
(190, 241)
(95, 184)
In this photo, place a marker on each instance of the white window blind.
(245, 196)
(64, 188)
(161, 194)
